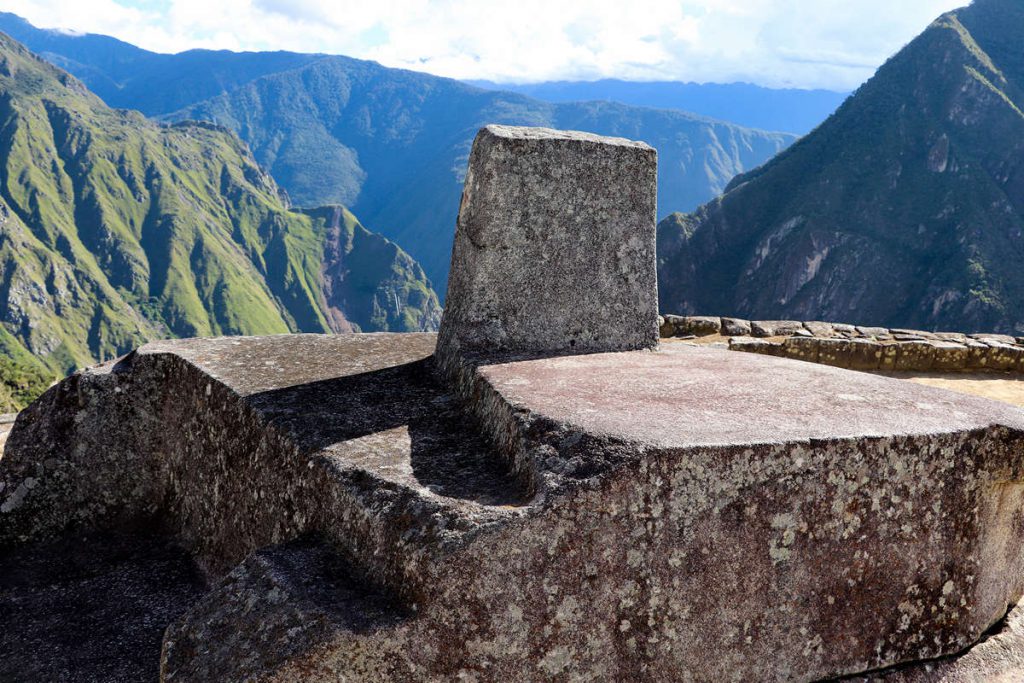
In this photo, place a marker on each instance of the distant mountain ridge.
(904, 209)
(390, 144)
(115, 230)
(129, 77)
(786, 109)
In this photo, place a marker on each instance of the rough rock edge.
(857, 348)
(538, 443)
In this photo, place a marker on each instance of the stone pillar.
(554, 246)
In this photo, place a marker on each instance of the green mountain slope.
(904, 209)
(357, 133)
(154, 83)
(389, 143)
(115, 229)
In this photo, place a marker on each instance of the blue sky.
(834, 44)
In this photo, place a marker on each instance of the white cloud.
(802, 43)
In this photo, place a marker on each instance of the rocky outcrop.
(424, 534)
(904, 208)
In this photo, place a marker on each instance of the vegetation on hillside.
(904, 209)
(115, 229)
(390, 144)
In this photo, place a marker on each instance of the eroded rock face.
(603, 517)
(554, 248)
(998, 658)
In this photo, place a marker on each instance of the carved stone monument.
(676, 514)
(554, 248)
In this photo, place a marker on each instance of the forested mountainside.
(788, 109)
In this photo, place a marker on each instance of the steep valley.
(904, 209)
(115, 230)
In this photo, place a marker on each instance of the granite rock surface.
(543, 494)
(554, 247)
(624, 516)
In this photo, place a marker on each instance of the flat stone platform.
(681, 514)
(368, 400)
(684, 397)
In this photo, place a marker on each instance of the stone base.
(682, 514)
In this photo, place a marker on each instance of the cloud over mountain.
(825, 44)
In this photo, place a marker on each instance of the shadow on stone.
(274, 609)
(404, 410)
(92, 608)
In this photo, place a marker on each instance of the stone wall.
(855, 347)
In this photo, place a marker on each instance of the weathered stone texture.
(672, 326)
(994, 338)
(874, 332)
(890, 355)
(81, 456)
(698, 325)
(999, 658)
(563, 524)
(1006, 357)
(554, 248)
(775, 328)
(819, 329)
(949, 357)
(912, 335)
(375, 508)
(801, 348)
(734, 327)
(863, 348)
(294, 602)
(754, 345)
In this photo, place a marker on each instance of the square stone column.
(555, 246)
